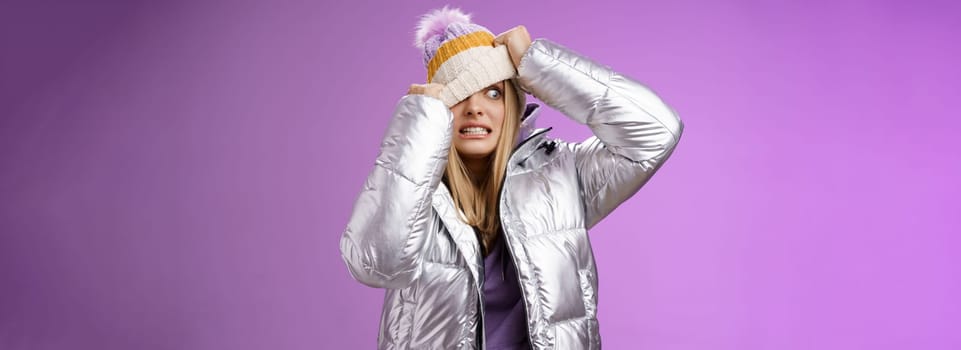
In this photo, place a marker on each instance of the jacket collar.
(462, 234)
(527, 122)
(528, 139)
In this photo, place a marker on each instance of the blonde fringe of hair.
(478, 199)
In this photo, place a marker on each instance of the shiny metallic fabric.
(404, 234)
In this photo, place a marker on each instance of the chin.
(475, 152)
(475, 155)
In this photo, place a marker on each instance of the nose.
(472, 106)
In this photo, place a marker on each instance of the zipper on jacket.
(510, 249)
(482, 333)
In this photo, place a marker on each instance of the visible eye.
(493, 93)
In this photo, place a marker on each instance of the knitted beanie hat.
(460, 55)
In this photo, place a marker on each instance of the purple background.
(177, 174)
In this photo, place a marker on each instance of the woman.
(475, 223)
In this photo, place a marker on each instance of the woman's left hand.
(517, 40)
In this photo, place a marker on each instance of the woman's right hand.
(432, 90)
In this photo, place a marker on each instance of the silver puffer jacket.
(404, 234)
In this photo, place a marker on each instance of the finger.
(521, 28)
(501, 38)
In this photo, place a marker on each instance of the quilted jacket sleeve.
(389, 225)
(634, 131)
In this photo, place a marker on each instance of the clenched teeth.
(474, 131)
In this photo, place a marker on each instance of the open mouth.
(475, 131)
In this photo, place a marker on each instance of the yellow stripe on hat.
(455, 46)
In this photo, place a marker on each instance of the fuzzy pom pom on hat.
(460, 55)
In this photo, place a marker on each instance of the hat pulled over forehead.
(460, 54)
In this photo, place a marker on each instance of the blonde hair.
(478, 199)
